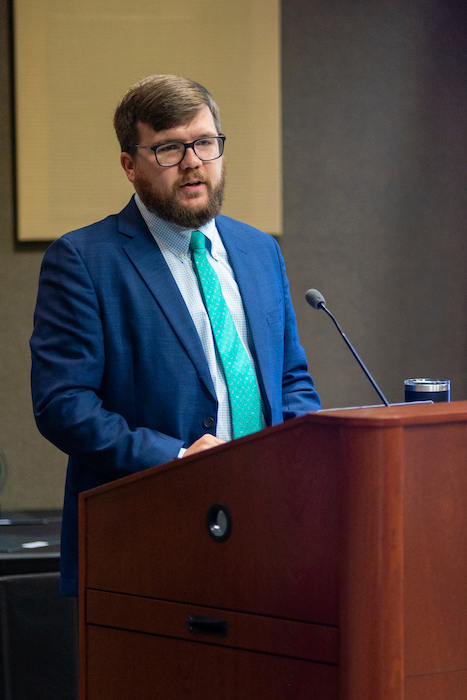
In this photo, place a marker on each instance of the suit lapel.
(148, 260)
(245, 266)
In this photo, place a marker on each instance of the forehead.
(201, 125)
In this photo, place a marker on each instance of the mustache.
(191, 177)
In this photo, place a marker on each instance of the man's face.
(188, 194)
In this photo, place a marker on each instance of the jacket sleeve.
(68, 361)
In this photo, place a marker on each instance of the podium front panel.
(281, 556)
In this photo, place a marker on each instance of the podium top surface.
(397, 414)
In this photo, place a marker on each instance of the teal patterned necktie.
(245, 402)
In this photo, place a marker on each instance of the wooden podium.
(324, 558)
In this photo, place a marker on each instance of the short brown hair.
(162, 102)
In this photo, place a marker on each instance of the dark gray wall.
(375, 166)
(375, 172)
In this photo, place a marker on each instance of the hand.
(205, 442)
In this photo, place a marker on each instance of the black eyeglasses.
(206, 148)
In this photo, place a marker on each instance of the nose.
(190, 159)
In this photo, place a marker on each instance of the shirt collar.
(173, 237)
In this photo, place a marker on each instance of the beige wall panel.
(74, 59)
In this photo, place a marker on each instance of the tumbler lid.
(427, 384)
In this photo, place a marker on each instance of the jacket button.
(208, 422)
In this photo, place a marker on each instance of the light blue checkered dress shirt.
(174, 242)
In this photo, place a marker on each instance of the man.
(166, 329)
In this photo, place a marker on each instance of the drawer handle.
(208, 625)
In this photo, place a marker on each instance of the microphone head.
(315, 299)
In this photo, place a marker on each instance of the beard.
(169, 208)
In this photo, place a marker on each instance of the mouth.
(192, 184)
(193, 189)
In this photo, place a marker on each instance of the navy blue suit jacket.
(119, 378)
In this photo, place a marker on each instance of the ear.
(128, 166)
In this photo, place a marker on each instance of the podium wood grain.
(344, 576)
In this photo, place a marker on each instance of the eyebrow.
(165, 141)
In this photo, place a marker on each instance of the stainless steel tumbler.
(427, 390)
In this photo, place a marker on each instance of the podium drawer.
(290, 638)
(123, 665)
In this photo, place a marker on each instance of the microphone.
(317, 301)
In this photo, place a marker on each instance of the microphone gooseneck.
(317, 301)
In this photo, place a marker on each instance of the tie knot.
(198, 241)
